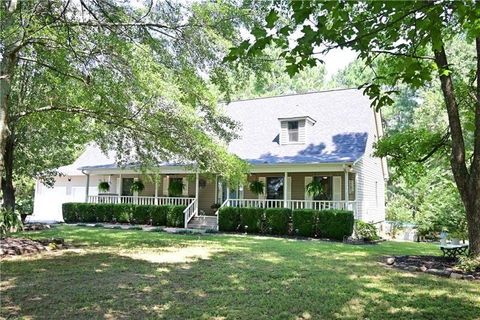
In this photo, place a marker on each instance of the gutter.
(88, 184)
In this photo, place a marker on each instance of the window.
(292, 131)
(127, 187)
(327, 188)
(275, 188)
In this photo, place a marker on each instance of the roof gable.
(344, 120)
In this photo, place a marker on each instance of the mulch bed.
(435, 265)
(21, 246)
(35, 226)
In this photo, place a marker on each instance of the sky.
(338, 59)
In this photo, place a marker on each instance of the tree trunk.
(7, 179)
(6, 73)
(468, 183)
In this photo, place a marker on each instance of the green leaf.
(271, 18)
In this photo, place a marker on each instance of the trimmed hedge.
(159, 215)
(175, 217)
(304, 222)
(123, 213)
(332, 224)
(276, 220)
(335, 224)
(228, 219)
(251, 219)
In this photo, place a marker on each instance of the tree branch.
(403, 54)
(54, 69)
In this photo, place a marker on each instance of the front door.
(127, 187)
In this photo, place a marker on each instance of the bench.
(454, 250)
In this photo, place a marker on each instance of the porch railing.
(190, 211)
(159, 201)
(291, 204)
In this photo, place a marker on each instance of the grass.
(136, 274)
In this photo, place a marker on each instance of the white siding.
(370, 185)
(47, 206)
(302, 132)
(283, 132)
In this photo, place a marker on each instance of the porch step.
(203, 222)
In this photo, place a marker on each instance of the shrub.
(335, 224)
(122, 212)
(86, 212)
(159, 215)
(175, 216)
(69, 212)
(228, 219)
(276, 220)
(141, 214)
(468, 264)
(251, 219)
(304, 222)
(366, 231)
(103, 212)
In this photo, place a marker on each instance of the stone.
(412, 268)
(390, 261)
(455, 275)
(438, 272)
(423, 268)
(468, 277)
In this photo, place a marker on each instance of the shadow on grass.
(234, 277)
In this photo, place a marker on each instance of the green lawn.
(136, 274)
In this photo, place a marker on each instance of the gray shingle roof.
(343, 118)
(343, 121)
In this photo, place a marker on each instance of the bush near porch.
(332, 223)
(171, 216)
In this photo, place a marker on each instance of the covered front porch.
(203, 195)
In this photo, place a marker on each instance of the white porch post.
(285, 190)
(135, 193)
(156, 189)
(119, 188)
(346, 188)
(196, 185)
(196, 190)
(216, 188)
(87, 188)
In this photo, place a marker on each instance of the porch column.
(135, 193)
(156, 189)
(285, 190)
(119, 188)
(346, 188)
(196, 191)
(88, 187)
(196, 186)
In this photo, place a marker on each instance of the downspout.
(88, 185)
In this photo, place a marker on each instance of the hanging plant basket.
(175, 188)
(257, 187)
(103, 186)
(137, 186)
(314, 188)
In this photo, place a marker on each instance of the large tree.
(131, 77)
(411, 37)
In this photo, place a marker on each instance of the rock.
(438, 272)
(412, 268)
(423, 268)
(456, 275)
(468, 277)
(390, 261)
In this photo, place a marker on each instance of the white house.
(289, 141)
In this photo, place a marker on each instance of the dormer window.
(292, 131)
(295, 130)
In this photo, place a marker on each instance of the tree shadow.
(346, 147)
(238, 278)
